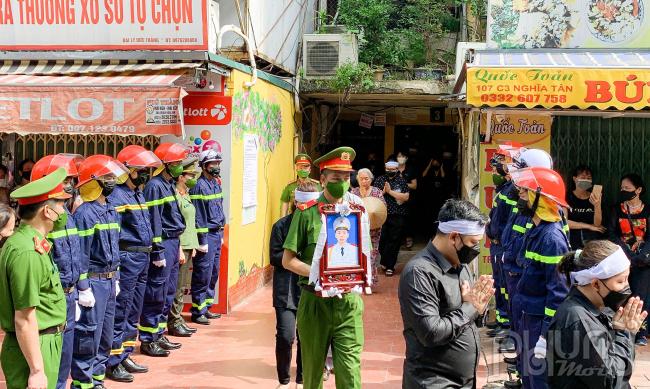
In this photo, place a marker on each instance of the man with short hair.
(439, 308)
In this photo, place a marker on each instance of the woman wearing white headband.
(591, 337)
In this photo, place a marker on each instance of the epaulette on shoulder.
(308, 204)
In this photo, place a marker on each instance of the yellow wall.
(248, 245)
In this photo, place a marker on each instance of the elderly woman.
(365, 189)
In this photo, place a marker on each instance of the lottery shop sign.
(561, 87)
(103, 25)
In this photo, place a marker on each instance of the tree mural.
(254, 115)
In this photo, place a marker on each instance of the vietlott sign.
(565, 88)
(533, 131)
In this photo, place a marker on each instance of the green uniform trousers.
(15, 366)
(335, 321)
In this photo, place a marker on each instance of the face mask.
(466, 254)
(583, 184)
(498, 179)
(524, 209)
(337, 189)
(60, 221)
(107, 187)
(401, 160)
(3, 183)
(501, 169)
(26, 175)
(191, 182)
(302, 173)
(175, 170)
(214, 171)
(626, 195)
(615, 299)
(141, 179)
(391, 174)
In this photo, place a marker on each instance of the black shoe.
(118, 373)
(507, 346)
(153, 349)
(492, 325)
(510, 360)
(201, 320)
(179, 331)
(168, 345)
(99, 386)
(133, 367)
(491, 333)
(502, 333)
(191, 330)
(212, 315)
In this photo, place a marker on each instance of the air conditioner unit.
(324, 53)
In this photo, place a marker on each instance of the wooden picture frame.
(343, 264)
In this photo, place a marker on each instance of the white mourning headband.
(614, 264)
(392, 164)
(463, 227)
(305, 197)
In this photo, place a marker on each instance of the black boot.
(168, 345)
(179, 331)
(191, 330)
(510, 360)
(201, 320)
(507, 346)
(133, 367)
(153, 349)
(211, 315)
(118, 373)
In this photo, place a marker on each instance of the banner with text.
(113, 111)
(565, 88)
(531, 130)
(103, 25)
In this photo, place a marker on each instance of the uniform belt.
(68, 290)
(107, 275)
(218, 229)
(135, 249)
(53, 330)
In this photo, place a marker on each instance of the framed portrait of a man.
(343, 263)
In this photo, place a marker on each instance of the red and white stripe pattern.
(127, 78)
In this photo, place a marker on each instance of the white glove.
(203, 248)
(357, 290)
(160, 263)
(343, 209)
(77, 312)
(332, 292)
(117, 288)
(540, 348)
(86, 298)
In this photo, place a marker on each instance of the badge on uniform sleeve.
(42, 246)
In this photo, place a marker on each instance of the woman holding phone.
(585, 215)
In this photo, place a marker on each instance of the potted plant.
(378, 72)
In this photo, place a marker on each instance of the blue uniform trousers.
(68, 340)
(131, 325)
(533, 370)
(94, 336)
(514, 311)
(133, 267)
(161, 284)
(500, 294)
(205, 274)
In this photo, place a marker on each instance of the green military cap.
(43, 189)
(338, 159)
(302, 158)
(190, 166)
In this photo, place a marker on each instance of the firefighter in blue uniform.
(136, 239)
(503, 205)
(208, 201)
(167, 224)
(99, 231)
(541, 288)
(64, 251)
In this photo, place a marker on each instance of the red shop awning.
(114, 103)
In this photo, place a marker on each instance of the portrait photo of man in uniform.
(342, 241)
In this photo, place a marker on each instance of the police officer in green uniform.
(303, 168)
(32, 304)
(324, 321)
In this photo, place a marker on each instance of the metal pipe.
(238, 31)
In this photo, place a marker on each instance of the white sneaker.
(298, 386)
(283, 386)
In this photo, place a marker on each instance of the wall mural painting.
(254, 115)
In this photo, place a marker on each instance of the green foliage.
(351, 78)
(371, 18)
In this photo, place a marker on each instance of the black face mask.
(107, 187)
(467, 254)
(626, 195)
(391, 174)
(142, 178)
(525, 209)
(214, 171)
(26, 175)
(501, 170)
(615, 299)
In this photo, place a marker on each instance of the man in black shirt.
(396, 194)
(439, 308)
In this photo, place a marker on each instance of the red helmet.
(171, 152)
(135, 156)
(50, 163)
(97, 166)
(510, 149)
(547, 181)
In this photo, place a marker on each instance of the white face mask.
(401, 160)
(3, 182)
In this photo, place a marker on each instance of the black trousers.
(392, 233)
(285, 335)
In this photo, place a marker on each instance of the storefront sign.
(568, 24)
(533, 131)
(103, 25)
(365, 121)
(207, 109)
(121, 111)
(566, 88)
